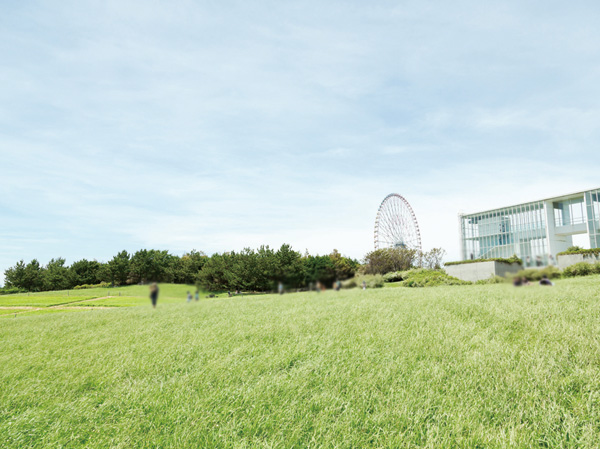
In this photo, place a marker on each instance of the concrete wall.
(566, 260)
(481, 270)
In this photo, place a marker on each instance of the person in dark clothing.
(517, 281)
(546, 281)
(154, 294)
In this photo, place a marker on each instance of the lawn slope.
(77, 300)
(463, 366)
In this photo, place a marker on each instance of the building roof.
(554, 198)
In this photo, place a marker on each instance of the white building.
(534, 230)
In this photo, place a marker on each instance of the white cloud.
(183, 125)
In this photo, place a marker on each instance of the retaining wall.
(566, 260)
(478, 271)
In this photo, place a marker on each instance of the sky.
(217, 126)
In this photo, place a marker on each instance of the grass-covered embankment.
(460, 366)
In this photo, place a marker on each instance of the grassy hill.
(463, 366)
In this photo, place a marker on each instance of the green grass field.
(132, 295)
(480, 366)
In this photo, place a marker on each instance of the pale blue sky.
(220, 125)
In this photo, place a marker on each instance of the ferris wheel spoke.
(388, 223)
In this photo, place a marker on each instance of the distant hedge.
(11, 290)
(594, 251)
(422, 277)
(370, 280)
(581, 269)
(84, 286)
(535, 274)
(513, 259)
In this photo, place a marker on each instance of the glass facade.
(592, 205)
(569, 212)
(534, 231)
(519, 230)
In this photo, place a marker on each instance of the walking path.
(23, 309)
(92, 299)
(17, 307)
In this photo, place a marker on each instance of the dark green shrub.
(395, 276)
(578, 250)
(350, 283)
(12, 290)
(512, 259)
(387, 260)
(533, 274)
(493, 279)
(372, 281)
(581, 269)
(551, 272)
(422, 277)
(84, 286)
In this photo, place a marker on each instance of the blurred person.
(154, 294)
(538, 261)
(546, 281)
(197, 296)
(550, 260)
(189, 297)
(338, 285)
(280, 288)
(528, 261)
(517, 281)
(364, 285)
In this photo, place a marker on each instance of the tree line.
(124, 268)
(248, 270)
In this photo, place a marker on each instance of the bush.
(421, 277)
(512, 259)
(12, 290)
(372, 281)
(493, 279)
(533, 274)
(395, 276)
(84, 286)
(387, 260)
(579, 250)
(581, 269)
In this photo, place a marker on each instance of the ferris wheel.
(396, 224)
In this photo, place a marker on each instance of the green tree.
(343, 266)
(84, 272)
(56, 275)
(289, 267)
(34, 276)
(151, 266)
(184, 269)
(16, 276)
(432, 259)
(212, 277)
(386, 260)
(319, 268)
(118, 268)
